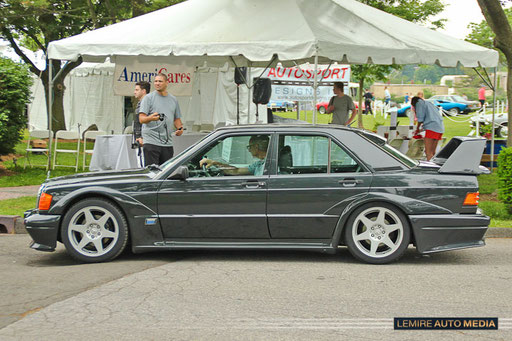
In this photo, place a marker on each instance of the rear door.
(315, 179)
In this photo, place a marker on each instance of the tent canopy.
(254, 31)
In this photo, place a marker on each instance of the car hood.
(131, 174)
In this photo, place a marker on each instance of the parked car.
(470, 105)
(318, 187)
(500, 123)
(321, 107)
(281, 105)
(451, 108)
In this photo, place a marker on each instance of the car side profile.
(291, 187)
(450, 108)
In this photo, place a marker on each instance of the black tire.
(372, 246)
(103, 226)
(322, 110)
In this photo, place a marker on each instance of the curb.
(499, 232)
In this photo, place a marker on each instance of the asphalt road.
(214, 295)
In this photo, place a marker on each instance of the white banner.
(335, 73)
(297, 83)
(129, 71)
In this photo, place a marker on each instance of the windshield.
(459, 98)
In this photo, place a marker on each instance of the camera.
(162, 117)
(136, 144)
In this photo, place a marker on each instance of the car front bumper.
(43, 229)
(436, 233)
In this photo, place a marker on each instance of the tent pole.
(249, 86)
(50, 93)
(493, 113)
(315, 86)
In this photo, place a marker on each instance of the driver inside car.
(258, 145)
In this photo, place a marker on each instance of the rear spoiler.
(462, 155)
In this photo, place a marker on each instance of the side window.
(233, 155)
(300, 154)
(341, 162)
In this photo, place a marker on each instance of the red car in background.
(321, 107)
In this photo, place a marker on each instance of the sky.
(459, 14)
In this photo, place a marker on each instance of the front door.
(225, 195)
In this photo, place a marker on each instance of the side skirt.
(318, 246)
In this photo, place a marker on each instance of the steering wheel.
(205, 170)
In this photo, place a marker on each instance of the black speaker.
(240, 75)
(262, 90)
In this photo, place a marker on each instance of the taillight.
(45, 201)
(471, 199)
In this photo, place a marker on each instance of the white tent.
(253, 31)
(89, 99)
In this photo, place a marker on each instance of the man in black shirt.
(368, 98)
(141, 90)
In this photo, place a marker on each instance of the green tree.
(499, 23)
(15, 82)
(35, 23)
(417, 11)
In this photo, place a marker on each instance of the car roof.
(298, 127)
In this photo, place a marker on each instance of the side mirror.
(181, 173)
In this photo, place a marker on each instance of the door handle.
(350, 182)
(253, 184)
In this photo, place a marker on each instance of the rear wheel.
(322, 110)
(454, 111)
(94, 230)
(377, 233)
(408, 113)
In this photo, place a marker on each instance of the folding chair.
(66, 135)
(90, 135)
(38, 134)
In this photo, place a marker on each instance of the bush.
(505, 177)
(15, 82)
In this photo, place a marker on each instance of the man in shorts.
(428, 115)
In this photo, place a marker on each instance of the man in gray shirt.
(159, 110)
(340, 105)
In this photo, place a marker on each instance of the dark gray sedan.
(300, 187)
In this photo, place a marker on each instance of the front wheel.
(322, 110)
(377, 233)
(94, 230)
(502, 131)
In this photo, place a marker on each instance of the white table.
(113, 152)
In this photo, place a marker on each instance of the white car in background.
(500, 123)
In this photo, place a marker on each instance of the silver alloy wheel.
(322, 110)
(377, 232)
(408, 113)
(93, 231)
(453, 112)
(503, 131)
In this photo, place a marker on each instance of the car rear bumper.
(436, 233)
(43, 229)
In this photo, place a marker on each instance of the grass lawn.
(17, 206)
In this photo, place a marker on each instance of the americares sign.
(130, 72)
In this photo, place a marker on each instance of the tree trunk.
(509, 98)
(360, 113)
